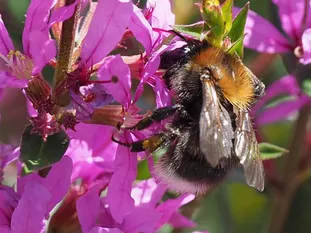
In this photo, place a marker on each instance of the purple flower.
(106, 29)
(9, 200)
(27, 209)
(39, 48)
(146, 216)
(296, 100)
(103, 35)
(8, 154)
(295, 18)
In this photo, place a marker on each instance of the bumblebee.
(208, 130)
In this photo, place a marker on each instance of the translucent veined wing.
(246, 148)
(216, 132)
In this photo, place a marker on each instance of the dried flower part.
(39, 93)
(108, 115)
(68, 120)
(44, 124)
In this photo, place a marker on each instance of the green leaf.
(18, 8)
(247, 205)
(306, 86)
(193, 30)
(270, 151)
(237, 47)
(237, 29)
(37, 153)
(143, 171)
(227, 15)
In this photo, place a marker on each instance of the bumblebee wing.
(246, 148)
(216, 132)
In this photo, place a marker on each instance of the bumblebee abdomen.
(191, 172)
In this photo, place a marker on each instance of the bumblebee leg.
(157, 116)
(150, 144)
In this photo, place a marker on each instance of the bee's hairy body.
(185, 167)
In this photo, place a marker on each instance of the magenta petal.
(285, 85)
(58, 183)
(282, 110)
(152, 66)
(119, 189)
(179, 221)
(108, 25)
(8, 202)
(291, 14)
(141, 29)
(163, 97)
(142, 219)
(306, 46)
(5, 41)
(36, 20)
(148, 192)
(262, 36)
(28, 217)
(91, 144)
(6, 80)
(88, 208)
(120, 88)
(32, 112)
(8, 154)
(41, 48)
(105, 230)
(162, 16)
(169, 207)
(63, 13)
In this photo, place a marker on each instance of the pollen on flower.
(18, 64)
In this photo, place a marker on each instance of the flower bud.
(38, 91)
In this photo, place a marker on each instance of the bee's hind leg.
(157, 116)
(149, 144)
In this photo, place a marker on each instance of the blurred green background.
(233, 207)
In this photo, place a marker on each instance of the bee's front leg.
(157, 116)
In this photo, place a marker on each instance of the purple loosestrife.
(263, 36)
(96, 177)
(18, 68)
(28, 208)
(286, 85)
(295, 16)
(147, 214)
(93, 185)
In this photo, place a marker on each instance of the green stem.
(66, 46)
(290, 184)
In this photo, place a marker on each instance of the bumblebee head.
(259, 89)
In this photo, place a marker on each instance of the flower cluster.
(92, 187)
(293, 41)
(95, 179)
